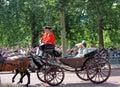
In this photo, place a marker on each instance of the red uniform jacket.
(48, 38)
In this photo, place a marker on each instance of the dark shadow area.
(77, 85)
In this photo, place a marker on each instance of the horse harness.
(13, 63)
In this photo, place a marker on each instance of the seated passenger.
(82, 50)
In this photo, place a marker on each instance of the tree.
(100, 10)
(21, 21)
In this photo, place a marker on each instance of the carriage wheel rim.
(56, 77)
(100, 74)
(41, 72)
(82, 75)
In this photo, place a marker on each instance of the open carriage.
(90, 68)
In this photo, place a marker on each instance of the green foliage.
(81, 20)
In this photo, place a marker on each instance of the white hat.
(79, 44)
(83, 41)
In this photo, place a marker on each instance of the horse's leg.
(16, 72)
(21, 73)
(28, 75)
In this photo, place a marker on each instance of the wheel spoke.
(101, 75)
(41, 72)
(98, 77)
(95, 76)
(56, 76)
(101, 71)
(104, 74)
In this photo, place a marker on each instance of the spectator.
(93, 44)
(82, 49)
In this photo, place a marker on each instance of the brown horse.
(19, 64)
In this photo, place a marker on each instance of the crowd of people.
(48, 40)
(112, 51)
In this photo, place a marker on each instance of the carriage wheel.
(98, 70)
(82, 74)
(54, 75)
(41, 72)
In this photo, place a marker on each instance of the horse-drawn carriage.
(52, 68)
(90, 68)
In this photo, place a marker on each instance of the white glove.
(41, 43)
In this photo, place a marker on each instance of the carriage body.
(90, 68)
(78, 62)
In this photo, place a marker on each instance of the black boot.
(37, 62)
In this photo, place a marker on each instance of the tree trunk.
(63, 33)
(100, 33)
(35, 32)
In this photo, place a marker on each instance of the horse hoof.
(26, 84)
(19, 82)
(13, 81)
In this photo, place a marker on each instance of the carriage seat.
(49, 48)
(91, 53)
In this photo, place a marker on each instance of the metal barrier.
(114, 60)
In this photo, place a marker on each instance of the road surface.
(70, 80)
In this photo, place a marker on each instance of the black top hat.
(47, 27)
